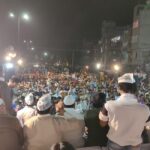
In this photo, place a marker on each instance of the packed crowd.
(50, 108)
(81, 85)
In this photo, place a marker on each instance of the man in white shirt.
(125, 117)
(28, 111)
(43, 130)
(69, 108)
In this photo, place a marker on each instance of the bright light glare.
(11, 15)
(36, 66)
(26, 17)
(116, 39)
(20, 62)
(8, 58)
(45, 54)
(12, 55)
(87, 67)
(57, 64)
(32, 48)
(9, 65)
(25, 41)
(98, 65)
(30, 41)
(116, 67)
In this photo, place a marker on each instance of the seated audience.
(69, 107)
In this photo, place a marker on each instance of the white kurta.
(24, 114)
(126, 119)
(72, 113)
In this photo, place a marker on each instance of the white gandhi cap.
(29, 99)
(69, 100)
(44, 103)
(126, 78)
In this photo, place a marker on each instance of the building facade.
(140, 44)
(115, 43)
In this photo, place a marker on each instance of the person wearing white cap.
(125, 117)
(69, 107)
(43, 130)
(11, 133)
(28, 111)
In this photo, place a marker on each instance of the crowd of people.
(50, 110)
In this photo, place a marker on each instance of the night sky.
(62, 24)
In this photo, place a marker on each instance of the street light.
(116, 67)
(25, 16)
(98, 66)
(9, 65)
(45, 54)
(87, 67)
(36, 66)
(12, 55)
(32, 48)
(8, 58)
(20, 62)
(11, 15)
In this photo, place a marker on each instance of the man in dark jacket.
(96, 134)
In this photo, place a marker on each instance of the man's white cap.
(2, 102)
(44, 103)
(69, 100)
(126, 78)
(29, 99)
